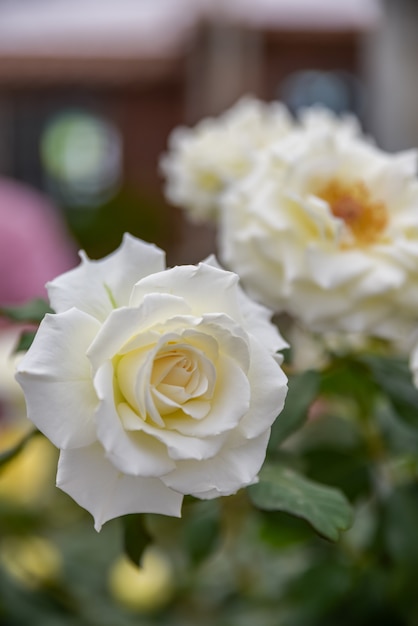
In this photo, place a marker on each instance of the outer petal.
(268, 392)
(92, 481)
(99, 286)
(256, 317)
(56, 379)
(257, 321)
(206, 289)
(223, 475)
(330, 270)
(381, 278)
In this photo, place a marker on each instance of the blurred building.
(391, 72)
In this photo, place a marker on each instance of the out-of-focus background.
(89, 92)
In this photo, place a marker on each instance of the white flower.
(319, 119)
(147, 588)
(203, 161)
(153, 382)
(326, 228)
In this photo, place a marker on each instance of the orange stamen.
(365, 218)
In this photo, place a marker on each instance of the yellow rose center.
(180, 381)
(365, 218)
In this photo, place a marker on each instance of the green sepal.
(25, 341)
(135, 537)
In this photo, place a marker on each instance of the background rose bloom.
(153, 382)
(203, 161)
(326, 228)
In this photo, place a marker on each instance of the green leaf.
(282, 489)
(32, 311)
(395, 381)
(135, 537)
(11, 453)
(281, 530)
(303, 390)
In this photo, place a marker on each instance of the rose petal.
(230, 336)
(306, 299)
(92, 481)
(256, 317)
(125, 323)
(268, 392)
(206, 289)
(133, 453)
(332, 269)
(380, 279)
(178, 446)
(231, 469)
(230, 403)
(97, 287)
(55, 375)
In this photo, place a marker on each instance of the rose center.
(365, 218)
(177, 381)
(181, 381)
(172, 369)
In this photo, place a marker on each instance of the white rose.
(203, 161)
(326, 228)
(319, 119)
(153, 382)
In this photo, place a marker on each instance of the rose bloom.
(326, 228)
(319, 119)
(153, 382)
(203, 161)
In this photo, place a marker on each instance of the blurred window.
(81, 155)
(338, 91)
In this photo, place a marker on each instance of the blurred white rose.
(31, 560)
(153, 382)
(203, 161)
(23, 479)
(145, 588)
(319, 119)
(326, 228)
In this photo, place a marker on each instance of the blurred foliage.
(99, 229)
(343, 451)
(32, 312)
